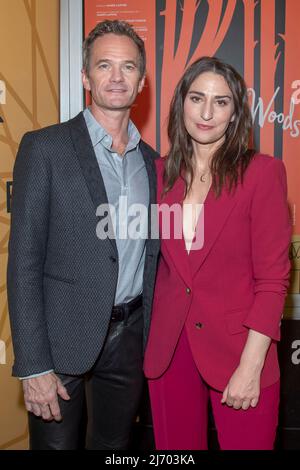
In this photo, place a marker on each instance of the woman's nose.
(207, 111)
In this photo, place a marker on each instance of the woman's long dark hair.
(231, 159)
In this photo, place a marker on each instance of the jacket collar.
(88, 163)
(215, 215)
(91, 171)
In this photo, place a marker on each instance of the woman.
(220, 286)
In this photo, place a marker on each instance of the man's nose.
(116, 74)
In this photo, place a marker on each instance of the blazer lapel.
(216, 213)
(176, 246)
(88, 163)
(153, 243)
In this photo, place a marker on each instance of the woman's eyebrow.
(200, 93)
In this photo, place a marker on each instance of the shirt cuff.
(36, 375)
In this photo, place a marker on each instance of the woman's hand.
(243, 388)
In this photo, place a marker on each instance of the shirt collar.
(99, 135)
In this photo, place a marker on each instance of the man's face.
(113, 78)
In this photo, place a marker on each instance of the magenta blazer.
(237, 281)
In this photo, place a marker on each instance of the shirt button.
(198, 325)
(188, 290)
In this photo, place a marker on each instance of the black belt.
(122, 311)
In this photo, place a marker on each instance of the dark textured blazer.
(61, 277)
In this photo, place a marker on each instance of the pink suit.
(237, 281)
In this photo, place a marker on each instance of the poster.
(259, 38)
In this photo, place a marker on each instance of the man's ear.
(85, 80)
(141, 84)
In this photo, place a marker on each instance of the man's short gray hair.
(120, 28)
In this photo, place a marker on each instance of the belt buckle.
(117, 313)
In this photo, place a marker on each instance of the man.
(79, 301)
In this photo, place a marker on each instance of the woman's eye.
(222, 102)
(195, 99)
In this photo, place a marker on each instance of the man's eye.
(129, 67)
(103, 66)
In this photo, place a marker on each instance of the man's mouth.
(116, 90)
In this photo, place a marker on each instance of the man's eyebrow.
(200, 93)
(129, 61)
(110, 61)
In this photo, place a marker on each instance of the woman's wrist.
(255, 351)
(253, 363)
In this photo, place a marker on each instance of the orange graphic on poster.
(174, 64)
(260, 38)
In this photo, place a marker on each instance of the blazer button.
(198, 325)
(188, 290)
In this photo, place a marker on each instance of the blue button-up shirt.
(126, 183)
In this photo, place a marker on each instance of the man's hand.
(40, 395)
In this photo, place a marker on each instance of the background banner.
(261, 39)
(29, 47)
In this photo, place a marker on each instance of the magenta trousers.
(179, 402)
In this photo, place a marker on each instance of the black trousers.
(112, 390)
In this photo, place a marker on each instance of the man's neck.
(115, 122)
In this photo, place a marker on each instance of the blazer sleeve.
(26, 256)
(270, 240)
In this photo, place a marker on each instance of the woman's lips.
(203, 127)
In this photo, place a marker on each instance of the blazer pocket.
(234, 321)
(58, 278)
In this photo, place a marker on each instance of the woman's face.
(208, 109)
